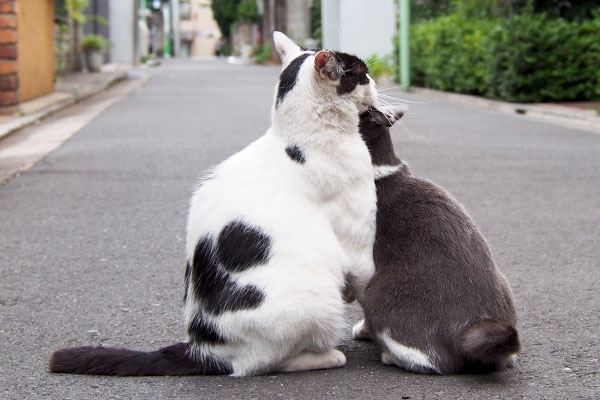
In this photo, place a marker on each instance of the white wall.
(123, 22)
(330, 24)
(361, 27)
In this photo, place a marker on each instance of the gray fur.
(436, 287)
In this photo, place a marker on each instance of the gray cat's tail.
(170, 360)
(489, 342)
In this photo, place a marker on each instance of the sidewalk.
(68, 90)
(576, 114)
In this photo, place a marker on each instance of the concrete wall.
(123, 31)
(35, 44)
(361, 27)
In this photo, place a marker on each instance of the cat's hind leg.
(308, 360)
(409, 358)
(361, 331)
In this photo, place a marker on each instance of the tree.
(225, 13)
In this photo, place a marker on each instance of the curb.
(22, 122)
(551, 113)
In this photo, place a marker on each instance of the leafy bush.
(525, 57)
(571, 10)
(228, 12)
(93, 42)
(379, 67)
(537, 58)
(247, 11)
(449, 53)
(263, 54)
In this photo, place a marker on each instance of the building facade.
(26, 50)
(199, 32)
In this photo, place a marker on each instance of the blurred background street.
(99, 156)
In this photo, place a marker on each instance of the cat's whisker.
(399, 98)
(403, 127)
(389, 97)
(384, 105)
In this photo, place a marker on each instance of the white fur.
(381, 171)
(360, 331)
(403, 356)
(308, 360)
(287, 49)
(320, 216)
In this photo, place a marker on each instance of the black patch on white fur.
(241, 246)
(287, 79)
(186, 281)
(215, 288)
(295, 154)
(355, 73)
(201, 330)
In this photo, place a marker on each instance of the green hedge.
(522, 58)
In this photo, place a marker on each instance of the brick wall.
(9, 79)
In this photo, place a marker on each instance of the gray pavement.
(92, 242)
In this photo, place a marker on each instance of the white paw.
(308, 360)
(387, 358)
(360, 331)
(338, 359)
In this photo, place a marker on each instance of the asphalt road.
(92, 242)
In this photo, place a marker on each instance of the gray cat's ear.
(328, 66)
(285, 46)
(386, 115)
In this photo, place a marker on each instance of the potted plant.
(93, 47)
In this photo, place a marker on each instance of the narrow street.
(92, 241)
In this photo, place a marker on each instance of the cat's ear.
(328, 66)
(386, 115)
(285, 46)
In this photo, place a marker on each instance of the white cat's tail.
(490, 342)
(168, 361)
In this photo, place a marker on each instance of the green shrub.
(379, 66)
(571, 10)
(247, 11)
(536, 58)
(449, 53)
(95, 42)
(525, 57)
(263, 54)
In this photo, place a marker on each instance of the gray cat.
(437, 303)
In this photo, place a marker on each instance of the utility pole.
(175, 29)
(143, 7)
(404, 45)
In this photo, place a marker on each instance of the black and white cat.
(276, 235)
(437, 303)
